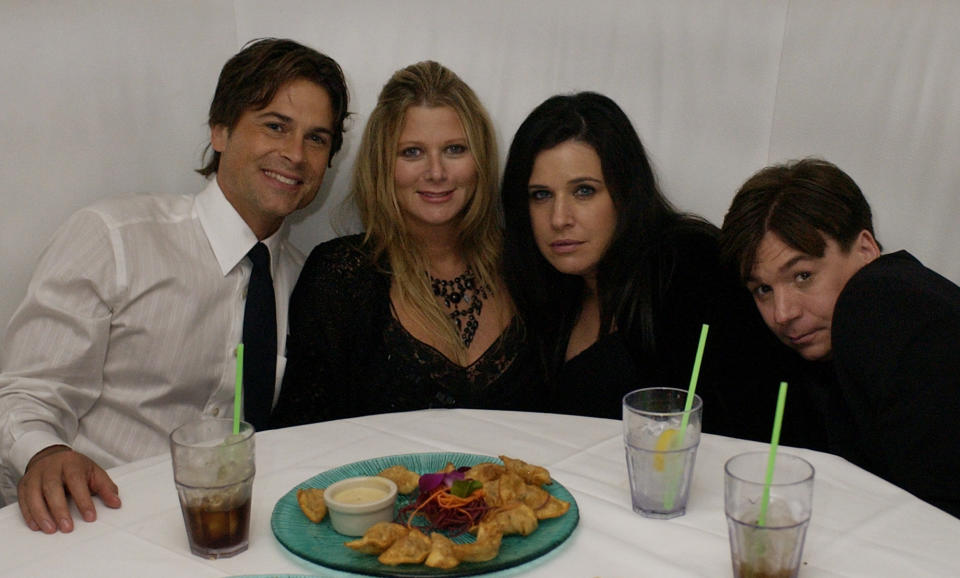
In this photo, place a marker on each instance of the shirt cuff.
(29, 444)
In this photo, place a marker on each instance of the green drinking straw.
(771, 461)
(238, 390)
(671, 494)
(693, 380)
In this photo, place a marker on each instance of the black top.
(740, 372)
(892, 402)
(347, 355)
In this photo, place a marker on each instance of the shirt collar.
(229, 235)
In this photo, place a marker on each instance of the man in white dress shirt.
(130, 324)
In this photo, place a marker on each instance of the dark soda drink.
(217, 520)
(744, 570)
(213, 470)
(218, 531)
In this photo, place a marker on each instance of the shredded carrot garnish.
(445, 511)
(433, 497)
(450, 501)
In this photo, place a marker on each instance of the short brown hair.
(803, 202)
(251, 79)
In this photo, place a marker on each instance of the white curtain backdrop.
(107, 97)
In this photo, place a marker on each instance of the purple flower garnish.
(430, 482)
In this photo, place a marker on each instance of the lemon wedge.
(664, 442)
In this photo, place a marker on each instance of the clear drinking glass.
(213, 469)
(774, 548)
(660, 455)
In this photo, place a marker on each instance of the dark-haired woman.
(613, 283)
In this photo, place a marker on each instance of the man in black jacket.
(877, 334)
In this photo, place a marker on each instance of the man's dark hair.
(803, 202)
(251, 79)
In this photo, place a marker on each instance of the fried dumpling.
(485, 547)
(507, 488)
(413, 548)
(379, 537)
(554, 508)
(441, 552)
(535, 496)
(485, 472)
(406, 480)
(312, 504)
(514, 518)
(531, 474)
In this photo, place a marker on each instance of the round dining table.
(861, 524)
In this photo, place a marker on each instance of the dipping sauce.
(360, 495)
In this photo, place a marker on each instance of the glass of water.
(661, 439)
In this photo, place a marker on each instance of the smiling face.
(571, 211)
(435, 175)
(796, 292)
(273, 161)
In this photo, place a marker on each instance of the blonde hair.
(429, 84)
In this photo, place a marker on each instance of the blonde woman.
(412, 313)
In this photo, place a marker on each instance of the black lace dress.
(347, 355)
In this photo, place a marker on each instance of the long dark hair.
(637, 266)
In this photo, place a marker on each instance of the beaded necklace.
(465, 299)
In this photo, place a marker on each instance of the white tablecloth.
(861, 525)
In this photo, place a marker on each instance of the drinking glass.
(773, 547)
(213, 469)
(660, 449)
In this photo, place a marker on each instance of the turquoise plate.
(320, 544)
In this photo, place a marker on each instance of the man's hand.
(52, 474)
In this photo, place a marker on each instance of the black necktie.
(259, 340)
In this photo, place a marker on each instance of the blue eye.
(410, 152)
(540, 194)
(584, 191)
(456, 149)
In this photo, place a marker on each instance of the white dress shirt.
(129, 328)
